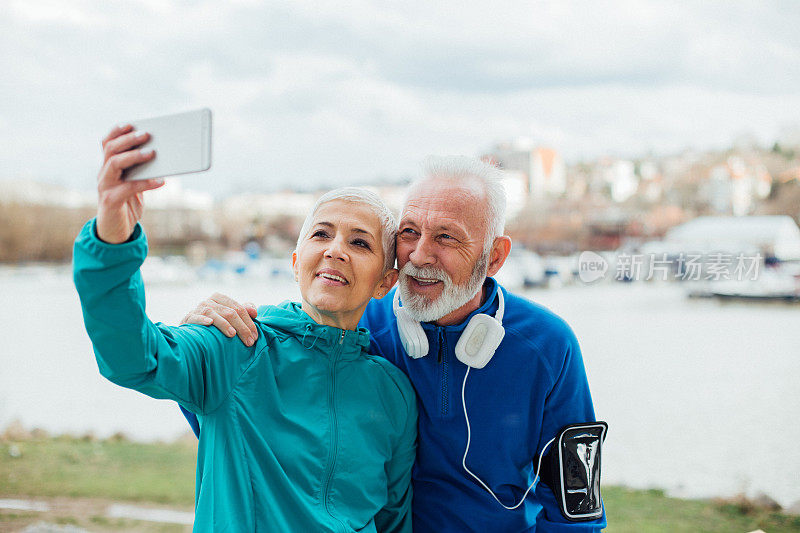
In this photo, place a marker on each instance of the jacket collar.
(290, 318)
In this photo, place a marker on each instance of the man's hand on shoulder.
(227, 315)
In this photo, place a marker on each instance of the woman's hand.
(120, 203)
(227, 315)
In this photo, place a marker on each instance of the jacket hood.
(290, 318)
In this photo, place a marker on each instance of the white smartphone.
(182, 143)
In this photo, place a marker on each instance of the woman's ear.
(386, 284)
(294, 266)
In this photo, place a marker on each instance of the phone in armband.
(572, 470)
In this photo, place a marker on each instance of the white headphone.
(474, 348)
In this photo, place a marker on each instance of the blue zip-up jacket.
(533, 386)
(304, 431)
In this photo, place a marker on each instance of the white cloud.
(52, 11)
(322, 93)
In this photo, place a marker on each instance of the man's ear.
(386, 284)
(500, 250)
(295, 266)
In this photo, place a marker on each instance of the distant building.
(175, 214)
(516, 185)
(36, 193)
(617, 177)
(735, 186)
(541, 170)
(281, 203)
(548, 173)
(651, 186)
(393, 195)
(289, 203)
(173, 195)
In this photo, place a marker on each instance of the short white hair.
(374, 203)
(463, 168)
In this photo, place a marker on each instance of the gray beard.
(422, 309)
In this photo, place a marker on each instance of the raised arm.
(131, 351)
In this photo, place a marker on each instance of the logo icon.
(591, 267)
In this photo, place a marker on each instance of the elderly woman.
(301, 431)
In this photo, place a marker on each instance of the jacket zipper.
(442, 358)
(334, 431)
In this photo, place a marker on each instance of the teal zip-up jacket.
(304, 431)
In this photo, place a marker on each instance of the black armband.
(571, 468)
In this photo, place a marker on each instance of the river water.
(701, 397)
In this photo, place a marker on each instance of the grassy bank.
(79, 476)
(112, 469)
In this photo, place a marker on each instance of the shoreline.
(115, 484)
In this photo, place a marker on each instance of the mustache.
(424, 272)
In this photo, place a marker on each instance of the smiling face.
(440, 250)
(339, 265)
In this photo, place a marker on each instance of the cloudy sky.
(348, 92)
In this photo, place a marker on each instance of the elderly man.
(498, 378)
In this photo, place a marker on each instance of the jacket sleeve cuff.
(136, 245)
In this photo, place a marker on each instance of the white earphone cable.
(466, 451)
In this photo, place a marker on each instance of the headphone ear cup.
(478, 342)
(413, 337)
